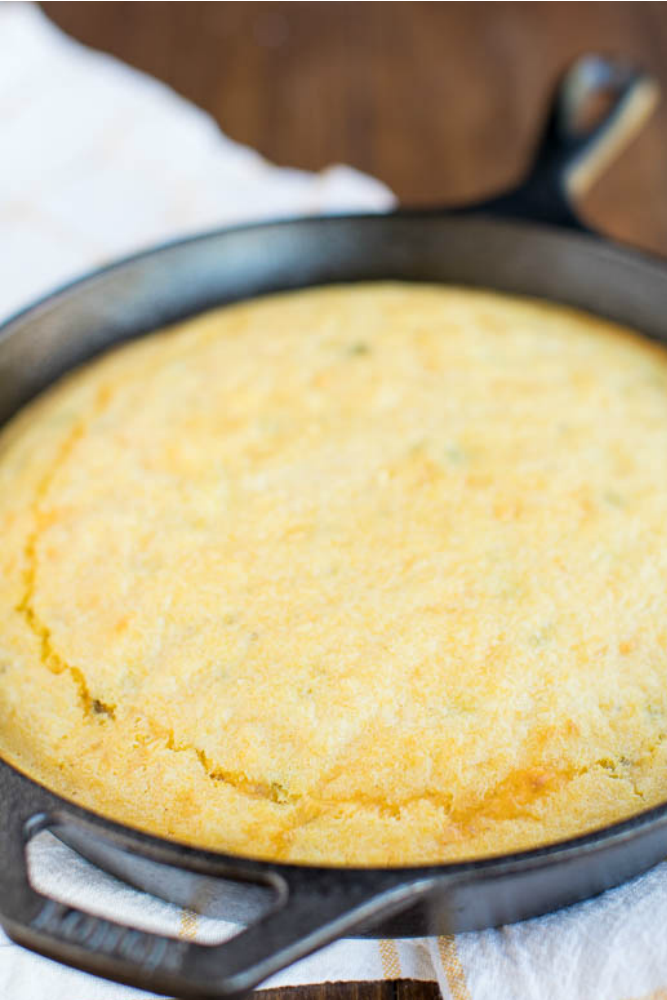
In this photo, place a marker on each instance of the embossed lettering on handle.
(150, 951)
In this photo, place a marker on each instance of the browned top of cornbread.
(372, 574)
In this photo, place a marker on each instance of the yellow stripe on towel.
(189, 925)
(389, 957)
(451, 964)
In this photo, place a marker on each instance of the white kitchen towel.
(98, 160)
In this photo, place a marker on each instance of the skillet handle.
(312, 908)
(599, 106)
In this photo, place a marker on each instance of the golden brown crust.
(373, 574)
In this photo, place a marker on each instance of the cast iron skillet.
(540, 250)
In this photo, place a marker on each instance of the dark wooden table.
(440, 100)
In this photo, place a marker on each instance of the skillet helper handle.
(312, 908)
(599, 106)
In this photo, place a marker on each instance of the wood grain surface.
(442, 101)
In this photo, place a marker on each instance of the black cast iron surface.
(310, 906)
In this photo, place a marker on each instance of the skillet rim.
(628, 254)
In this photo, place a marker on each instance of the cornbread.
(372, 574)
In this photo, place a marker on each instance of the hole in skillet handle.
(76, 866)
(599, 106)
(312, 908)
